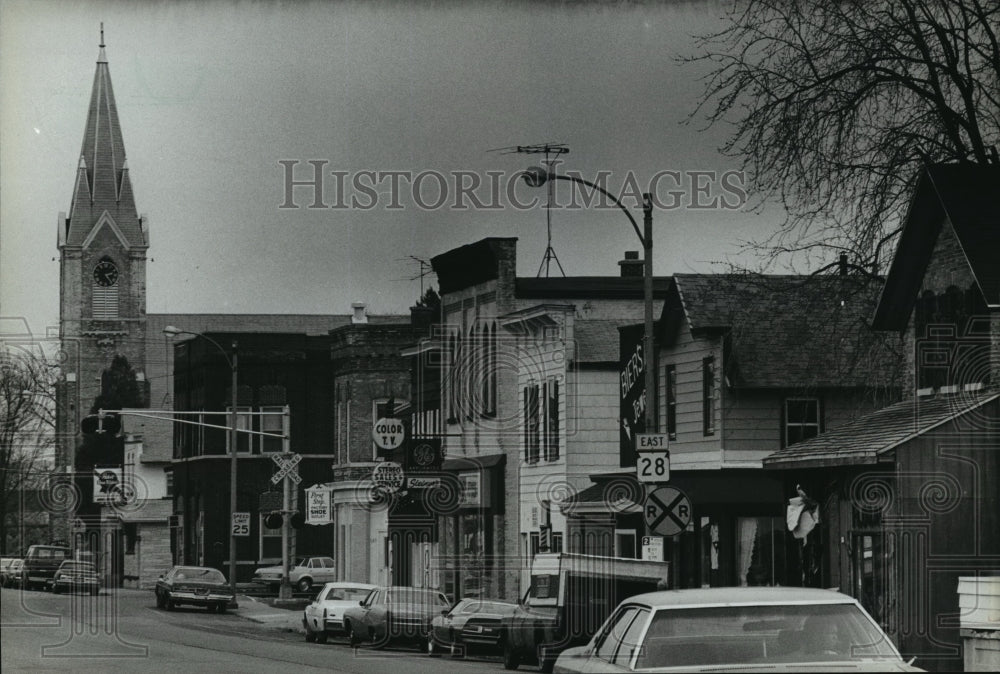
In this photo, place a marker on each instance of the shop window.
(170, 483)
(760, 550)
(802, 420)
(625, 543)
(244, 422)
(557, 542)
(708, 395)
(671, 382)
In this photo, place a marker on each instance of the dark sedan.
(394, 613)
(74, 576)
(470, 622)
(193, 586)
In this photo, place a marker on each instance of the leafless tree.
(836, 104)
(27, 432)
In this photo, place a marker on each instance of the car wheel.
(221, 607)
(511, 658)
(304, 584)
(160, 603)
(170, 603)
(352, 637)
(321, 637)
(310, 635)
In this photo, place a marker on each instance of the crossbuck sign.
(287, 467)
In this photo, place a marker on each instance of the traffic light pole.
(232, 478)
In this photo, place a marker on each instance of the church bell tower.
(102, 246)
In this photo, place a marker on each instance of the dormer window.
(104, 290)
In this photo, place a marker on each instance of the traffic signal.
(104, 422)
(273, 521)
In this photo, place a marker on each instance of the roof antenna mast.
(550, 150)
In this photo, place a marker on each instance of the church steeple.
(103, 184)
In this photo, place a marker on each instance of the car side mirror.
(361, 603)
(445, 611)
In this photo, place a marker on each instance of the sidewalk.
(260, 610)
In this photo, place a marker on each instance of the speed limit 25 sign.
(653, 463)
(241, 524)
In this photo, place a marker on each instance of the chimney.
(631, 265)
(842, 263)
(359, 313)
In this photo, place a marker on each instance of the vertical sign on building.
(632, 362)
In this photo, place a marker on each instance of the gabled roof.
(968, 196)
(786, 331)
(103, 183)
(866, 439)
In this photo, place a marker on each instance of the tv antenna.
(425, 270)
(550, 150)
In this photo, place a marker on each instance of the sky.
(212, 96)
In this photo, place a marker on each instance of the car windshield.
(347, 593)
(760, 634)
(480, 606)
(301, 561)
(199, 574)
(412, 595)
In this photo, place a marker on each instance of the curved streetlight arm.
(171, 331)
(536, 177)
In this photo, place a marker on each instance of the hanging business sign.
(319, 505)
(107, 485)
(632, 390)
(388, 475)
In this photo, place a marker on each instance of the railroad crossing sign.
(388, 433)
(667, 511)
(286, 467)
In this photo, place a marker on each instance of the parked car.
(41, 563)
(569, 598)
(325, 615)
(303, 574)
(726, 628)
(471, 622)
(72, 576)
(10, 576)
(194, 586)
(395, 612)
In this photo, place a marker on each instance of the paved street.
(123, 631)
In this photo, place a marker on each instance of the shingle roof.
(863, 440)
(789, 331)
(968, 195)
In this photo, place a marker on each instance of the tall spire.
(107, 187)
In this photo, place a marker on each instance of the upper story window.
(532, 423)
(803, 420)
(952, 338)
(104, 291)
(708, 395)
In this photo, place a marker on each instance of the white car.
(325, 615)
(737, 628)
(303, 573)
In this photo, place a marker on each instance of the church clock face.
(106, 273)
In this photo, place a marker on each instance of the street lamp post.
(172, 331)
(536, 176)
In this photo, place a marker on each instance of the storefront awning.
(871, 438)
